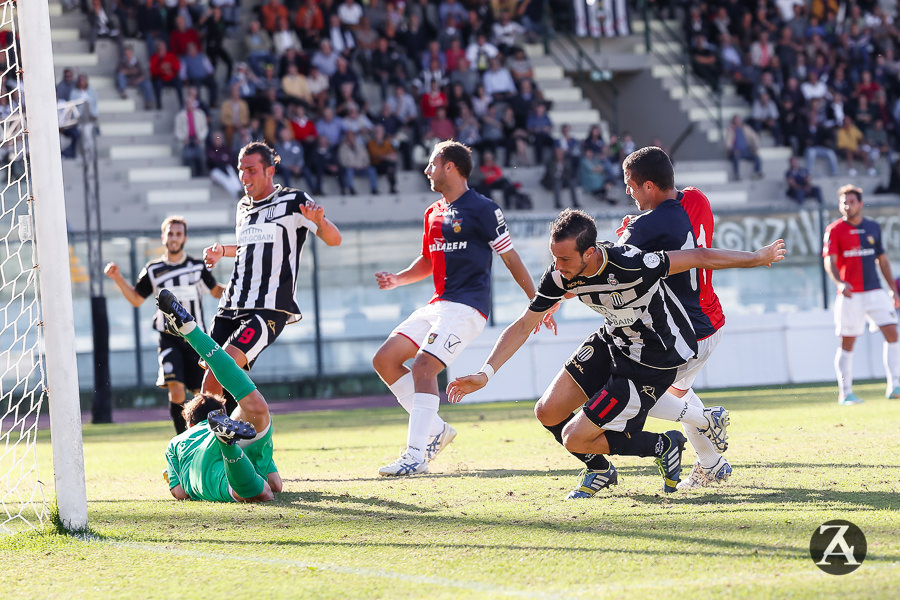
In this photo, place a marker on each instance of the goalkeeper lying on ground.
(220, 459)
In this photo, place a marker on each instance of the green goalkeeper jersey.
(194, 460)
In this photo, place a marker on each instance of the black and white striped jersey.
(183, 279)
(642, 317)
(270, 237)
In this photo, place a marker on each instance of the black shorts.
(620, 391)
(251, 332)
(178, 362)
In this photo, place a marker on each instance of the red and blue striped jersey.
(855, 248)
(460, 239)
(680, 225)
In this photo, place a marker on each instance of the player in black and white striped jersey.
(179, 367)
(271, 227)
(618, 372)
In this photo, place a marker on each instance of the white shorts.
(443, 329)
(850, 314)
(688, 372)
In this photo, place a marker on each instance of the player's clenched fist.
(212, 254)
(112, 270)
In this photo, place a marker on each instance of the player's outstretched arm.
(509, 342)
(113, 272)
(714, 258)
(418, 270)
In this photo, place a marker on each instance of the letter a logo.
(838, 547)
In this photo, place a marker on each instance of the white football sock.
(670, 407)
(424, 410)
(843, 366)
(403, 389)
(705, 449)
(892, 364)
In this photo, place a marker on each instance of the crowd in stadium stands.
(448, 69)
(821, 76)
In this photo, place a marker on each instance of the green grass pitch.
(491, 520)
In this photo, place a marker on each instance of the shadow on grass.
(616, 534)
(311, 498)
(626, 470)
(716, 494)
(812, 500)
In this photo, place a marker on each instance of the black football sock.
(230, 403)
(638, 443)
(557, 429)
(177, 412)
(596, 462)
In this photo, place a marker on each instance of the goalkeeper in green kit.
(219, 458)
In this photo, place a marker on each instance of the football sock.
(638, 443)
(670, 407)
(230, 402)
(892, 364)
(843, 365)
(239, 471)
(703, 447)
(424, 410)
(596, 462)
(403, 389)
(557, 429)
(177, 412)
(232, 377)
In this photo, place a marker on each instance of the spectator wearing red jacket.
(493, 179)
(432, 100)
(303, 127)
(181, 36)
(164, 72)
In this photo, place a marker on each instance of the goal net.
(22, 496)
(36, 321)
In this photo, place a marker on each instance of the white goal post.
(33, 227)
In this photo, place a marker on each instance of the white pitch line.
(359, 571)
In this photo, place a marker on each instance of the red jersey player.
(677, 220)
(462, 232)
(852, 249)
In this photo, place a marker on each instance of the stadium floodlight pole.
(53, 257)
